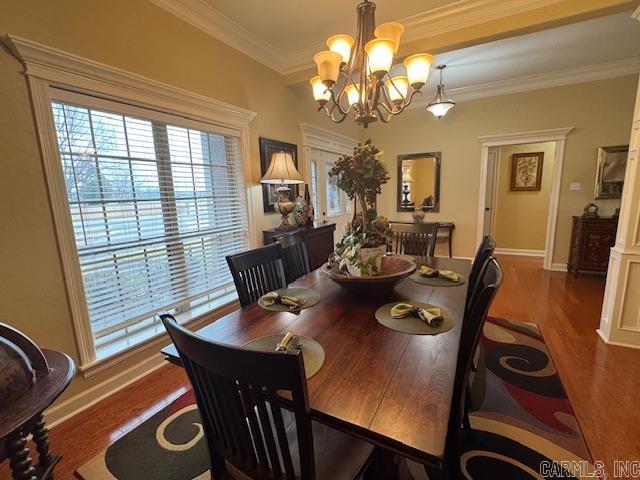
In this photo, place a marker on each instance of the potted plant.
(361, 177)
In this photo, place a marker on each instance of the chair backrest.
(414, 239)
(236, 392)
(257, 272)
(485, 250)
(294, 256)
(490, 279)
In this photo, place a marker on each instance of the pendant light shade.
(380, 55)
(353, 96)
(440, 104)
(341, 44)
(418, 69)
(390, 30)
(320, 92)
(328, 64)
(398, 87)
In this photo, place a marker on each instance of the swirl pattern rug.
(521, 417)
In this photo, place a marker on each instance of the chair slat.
(257, 272)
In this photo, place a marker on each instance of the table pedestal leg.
(41, 439)
(18, 454)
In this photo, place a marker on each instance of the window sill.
(194, 319)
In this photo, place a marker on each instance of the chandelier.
(354, 75)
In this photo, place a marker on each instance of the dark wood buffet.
(591, 241)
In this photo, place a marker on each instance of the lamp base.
(284, 206)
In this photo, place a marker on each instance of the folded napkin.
(446, 274)
(449, 275)
(432, 316)
(273, 297)
(428, 271)
(287, 342)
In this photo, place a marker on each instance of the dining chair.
(485, 250)
(237, 392)
(294, 256)
(489, 281)
(417, 239)
(257, 272)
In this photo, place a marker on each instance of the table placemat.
(312, 351)
(310, 297)
(411, 324)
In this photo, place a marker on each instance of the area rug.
(523, 424)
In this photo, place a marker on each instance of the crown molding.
(539, 81)
(324, 139)
(463, 14)
(205, 17)
(434, 22)
(84, 75)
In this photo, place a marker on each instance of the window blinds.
(155, 208)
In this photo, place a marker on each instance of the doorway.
(518, 193)
(330, 204)
(527, 225)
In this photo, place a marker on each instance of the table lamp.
(282, 172)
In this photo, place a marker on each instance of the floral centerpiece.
(361, 177)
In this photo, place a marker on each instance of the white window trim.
(47, 67)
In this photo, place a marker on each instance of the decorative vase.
(365, 256)
(418, 215)
(301, 210)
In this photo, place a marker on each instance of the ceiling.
(595, 44)
(284, 35)
(300, 25)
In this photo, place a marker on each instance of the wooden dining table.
(390, 388)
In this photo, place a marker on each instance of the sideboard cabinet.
(591, 241)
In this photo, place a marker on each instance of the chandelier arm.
(381, 115)
(387, 102)
(336, 103)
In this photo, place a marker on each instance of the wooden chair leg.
(18, 454)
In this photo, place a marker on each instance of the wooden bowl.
(394, 269)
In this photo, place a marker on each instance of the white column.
(620, 319)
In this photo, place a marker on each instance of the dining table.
(390, 388)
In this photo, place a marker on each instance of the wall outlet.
(575, 186)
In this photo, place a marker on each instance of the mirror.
(419, 182)
(610, 169)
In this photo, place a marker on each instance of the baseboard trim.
(87, 398)
(519, 251)
(616, 344)
(558, 267)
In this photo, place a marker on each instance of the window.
(333, 192)
(156, 203)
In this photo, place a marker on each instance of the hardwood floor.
(602, 381)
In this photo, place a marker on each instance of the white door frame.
(557, 135)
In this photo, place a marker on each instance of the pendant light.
(440, 104)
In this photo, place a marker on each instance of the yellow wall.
(600, 111)
(521, 217)
(139, 37)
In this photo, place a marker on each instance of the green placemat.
(309, 296)
(411, 324)
(435, 281)
(312, 351)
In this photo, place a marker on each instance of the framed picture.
(267, 148)
(526, 172)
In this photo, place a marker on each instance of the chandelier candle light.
(353, 75)
(282, 172)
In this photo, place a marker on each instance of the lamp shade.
(328, 64)
(282, 170)
(398, 89)
(418, 69)
(380, 55)
(391, 30)
(353, 95)
(341, 44)
(320, 92)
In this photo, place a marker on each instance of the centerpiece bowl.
(393, 270)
